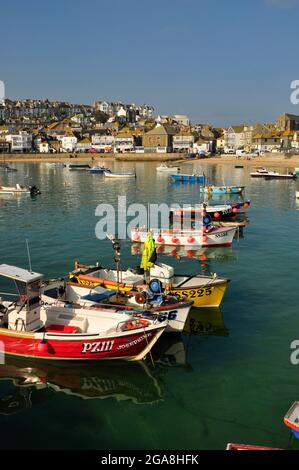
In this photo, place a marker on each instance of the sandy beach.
(271, 159)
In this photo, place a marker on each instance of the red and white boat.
(216, 236)
(231, 446)
(30, 328)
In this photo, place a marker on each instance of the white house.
(234, 137)
(21, 142)
(182, 119)
(43, 146)
(183, 142)
(102, 142)
(69, 143)
(123, 143)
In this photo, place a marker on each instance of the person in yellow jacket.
(149, 255)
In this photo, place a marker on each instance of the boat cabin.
(23, 314)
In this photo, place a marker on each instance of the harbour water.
(232, 381)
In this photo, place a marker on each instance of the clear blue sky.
(219, 61)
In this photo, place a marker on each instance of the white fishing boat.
(205, 291)
(20, 190)
(264, 173)
(113, 174)
(190, 238)
(167, 169)
(145, 304)
(297, 194)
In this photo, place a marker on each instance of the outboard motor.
(156, 290)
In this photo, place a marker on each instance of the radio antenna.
(28, 253)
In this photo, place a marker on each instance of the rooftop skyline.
(218, 62)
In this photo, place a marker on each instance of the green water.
(233, 382)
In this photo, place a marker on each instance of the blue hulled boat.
(184, 178)
(97, 169)
(222, 189)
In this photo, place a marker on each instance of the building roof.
(165, 129)
(288, 116)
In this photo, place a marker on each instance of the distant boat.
(231, 446)
(264, 173)
(297, 171)
(19, 190)
(291, 419)
(213, 212)
(222, 189)
(97, 169)
(7, 168)
(181, 177)
(239, 166)
(167, 169)
(56, 165)
(78, 166)
(193, 238)
(112, 174)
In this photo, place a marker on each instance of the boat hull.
(84, 347)
(195, 238)
(187, 178)
(176, 313)
(119, 175)
(208, 294)
(223, 190)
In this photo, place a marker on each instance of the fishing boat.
(214, 212)
(210, 189)
(291, 419)
(239, 166)
(264, 173)
(31, 327)
(144, 303)
(78, 166)
(232, 446)
(97, 169)
(18, 190)
(205, 291)
(297, 171)
(167, 169)
(297, 194)
(190, 238)
(185, 178)
(113, 174)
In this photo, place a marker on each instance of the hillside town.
(50, 127)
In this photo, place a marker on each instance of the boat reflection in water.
(221, 254)
(141, 383)
(206, 322)
(38, 382)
